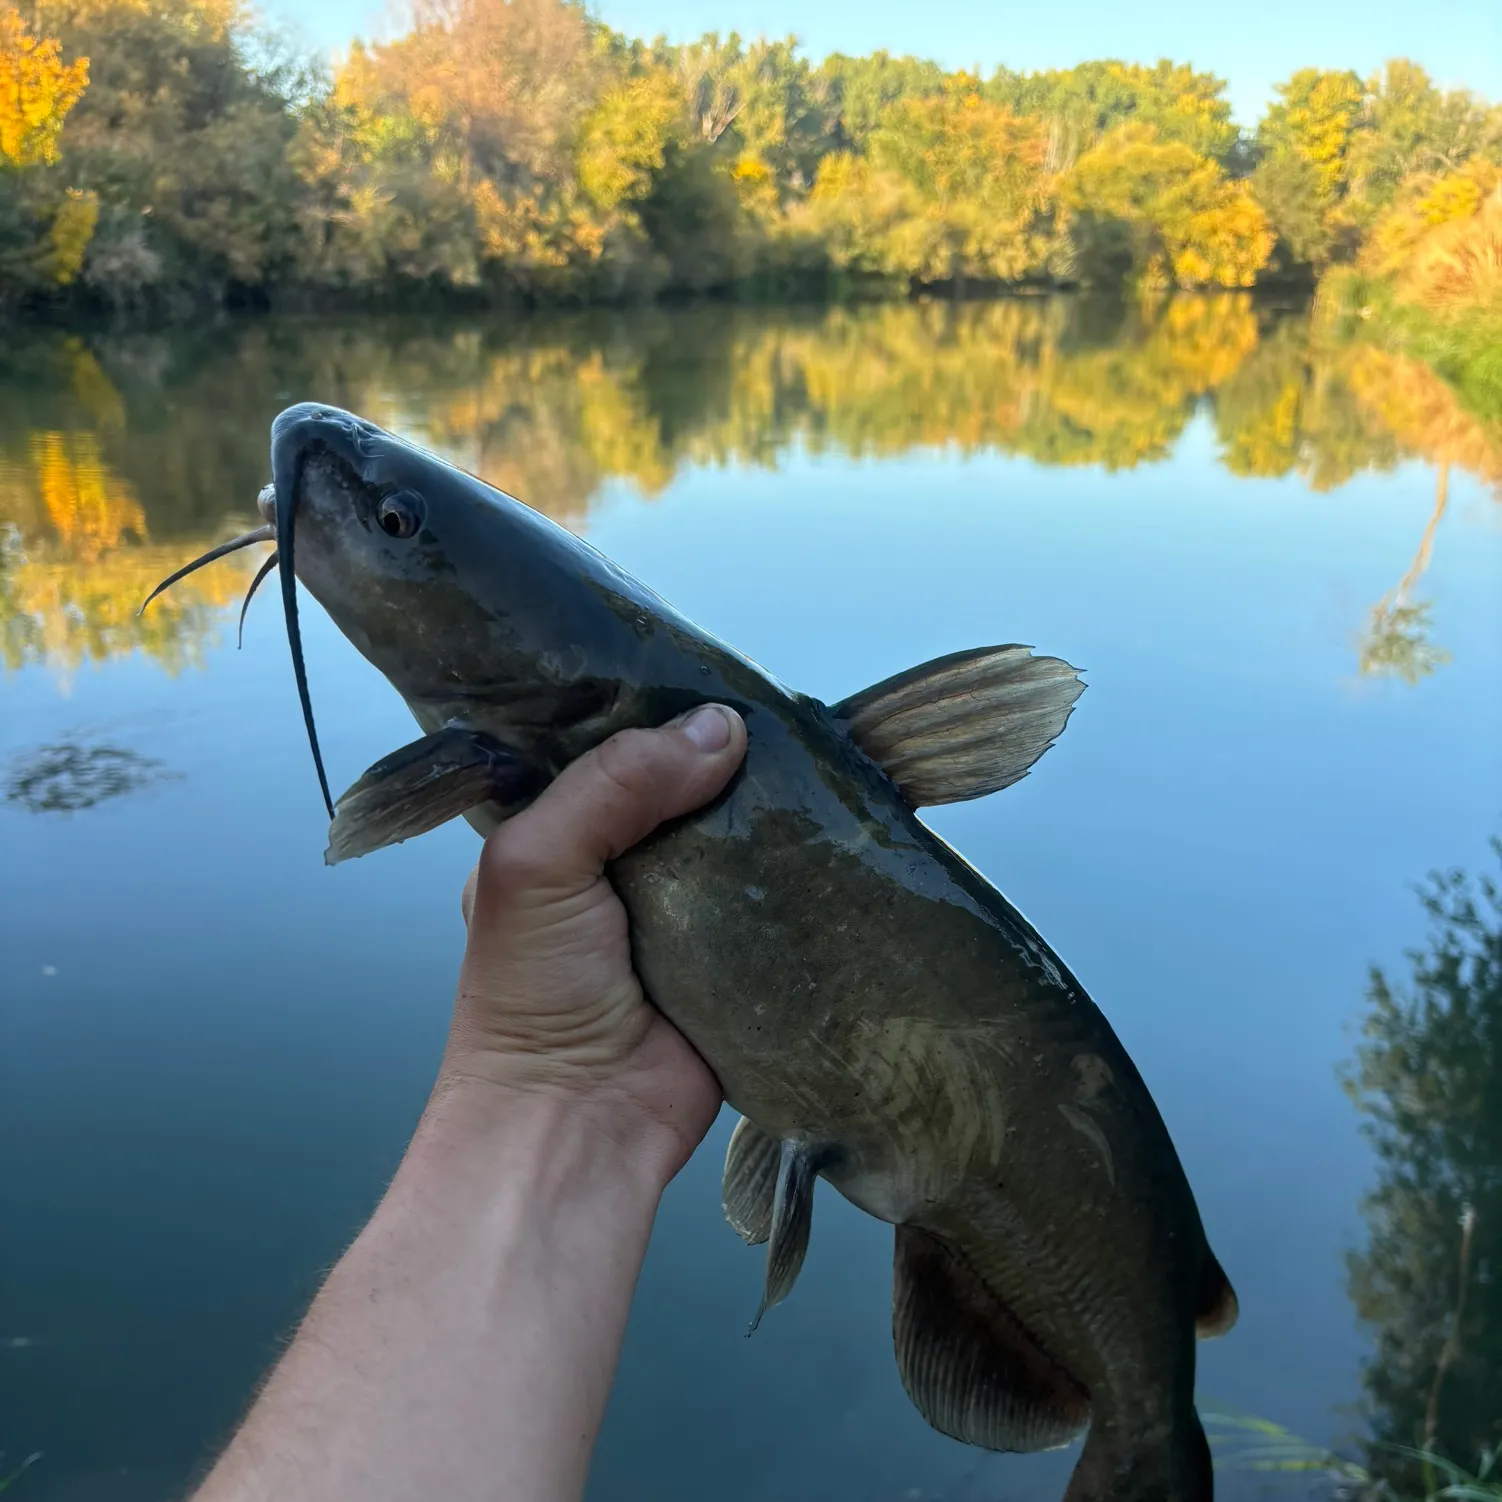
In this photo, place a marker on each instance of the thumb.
(607, 800)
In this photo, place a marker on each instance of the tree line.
(164, 155)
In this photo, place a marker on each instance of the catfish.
(881, 1017)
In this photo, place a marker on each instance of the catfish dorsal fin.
(964, 725)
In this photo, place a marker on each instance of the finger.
(467, 897)
(613, 796)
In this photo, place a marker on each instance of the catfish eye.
(400, 515)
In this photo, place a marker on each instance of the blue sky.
(1458, 41)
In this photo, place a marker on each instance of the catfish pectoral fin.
(426, 784)
(964, 725)
(970, 1367)
(792, 1216)
(752, 1162)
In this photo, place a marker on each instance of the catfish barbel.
(878, 1013)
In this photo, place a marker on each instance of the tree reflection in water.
(67, 777)
(1427, 1076)
(123, 455)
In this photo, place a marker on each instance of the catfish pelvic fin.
(964, 725)
(969, 1365)
(426, 784)
(792, 1216)
(751, 1167)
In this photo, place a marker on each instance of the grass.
(1246, 1443)
(1466, 351)
(1460, 340)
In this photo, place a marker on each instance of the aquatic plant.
(1248, 1443)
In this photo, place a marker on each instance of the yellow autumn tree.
(37, 89)
(626, 137)
(950, 189)
(1439, 242)
(454, 146)
(1314, 118)
(1160, 211)
(45, 227)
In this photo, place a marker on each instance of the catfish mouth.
(294, 435)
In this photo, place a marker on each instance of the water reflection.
(67, 777)
(120, 456)
(1396, 642)
(76, 560)
(1428, 1078)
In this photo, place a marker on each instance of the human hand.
(548, 1000)
(465, 1343)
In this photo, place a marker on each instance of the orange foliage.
(37, 89)
(76, 563)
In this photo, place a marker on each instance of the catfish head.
(516, 645)
(457, 592)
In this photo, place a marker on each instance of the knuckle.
(629, 764)
(515, 860)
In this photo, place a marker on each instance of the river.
(1277, 558)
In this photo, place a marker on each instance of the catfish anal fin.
(426, 784)
(970, 1367)
(964, 725)
(792, 1216)
(750, 1188)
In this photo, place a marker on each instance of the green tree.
(184, 146)
(1085, 103)
(1409, 126)
(1287, 185)
(760, 104)
(1304, 144)
(861, 91)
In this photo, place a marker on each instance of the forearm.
(464, 1346)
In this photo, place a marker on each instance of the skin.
(464, 1346)
(857, 988)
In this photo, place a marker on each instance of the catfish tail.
(1118, 1466)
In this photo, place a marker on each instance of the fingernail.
(708, 727)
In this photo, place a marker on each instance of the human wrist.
(558, 1123)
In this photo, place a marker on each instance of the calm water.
(1280, 565)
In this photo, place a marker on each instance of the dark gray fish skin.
(861, 992)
